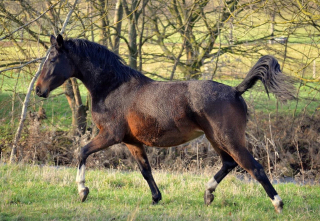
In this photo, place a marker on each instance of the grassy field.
(50, 193)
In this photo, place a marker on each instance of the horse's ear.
(59, 41)
(53, 40)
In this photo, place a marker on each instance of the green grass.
(49, 193)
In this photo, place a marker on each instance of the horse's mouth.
(44, 94)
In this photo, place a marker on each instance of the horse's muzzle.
(40, 94)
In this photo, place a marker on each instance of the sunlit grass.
(47, 193)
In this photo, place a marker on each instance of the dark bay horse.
(131, 108)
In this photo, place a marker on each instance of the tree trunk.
(133, 49)
(117, 21)
(141, 34)
(132, 32)
(273, 16)
(231, 41)
(103, 25)
(79, 111)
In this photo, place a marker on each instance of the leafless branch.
(21, 66)
(8, 35)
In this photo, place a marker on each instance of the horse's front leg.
(139, 154)
(100, 142)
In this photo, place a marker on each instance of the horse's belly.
(165, 134)
(166, 139)
(173, 139)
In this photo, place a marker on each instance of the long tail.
(267, 69)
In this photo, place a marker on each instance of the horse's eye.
(53, 60)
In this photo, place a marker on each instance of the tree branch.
(21, 66)
(23, 26)
(26, 99)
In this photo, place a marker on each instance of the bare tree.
(26, 100)
(184, 18)
(133, 13)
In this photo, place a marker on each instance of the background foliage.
(166, 40)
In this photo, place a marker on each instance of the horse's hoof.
(279, 207)
(277, 203)
(83, 194)
(155, 200)
(208, 197)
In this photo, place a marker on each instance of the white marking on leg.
(212, 185)
(277, 203)
(81, 178)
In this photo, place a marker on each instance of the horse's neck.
(92, 77)
(101, 83)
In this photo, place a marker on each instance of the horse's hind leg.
(138, 152)
(233, 144)
(228, 164)
(242, 156)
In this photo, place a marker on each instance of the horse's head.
(56, 69)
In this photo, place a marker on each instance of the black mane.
(102, 60)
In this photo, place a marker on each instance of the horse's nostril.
(38, 90)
